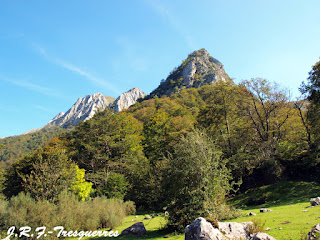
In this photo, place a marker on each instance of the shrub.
(68, 211)
(130, 208)
(257, 226)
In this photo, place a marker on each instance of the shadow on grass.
(155, 234)
(278, 194)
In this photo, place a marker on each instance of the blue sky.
(53, 52)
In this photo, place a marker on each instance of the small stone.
(251, 214)
(280, 228)
(136, 216)
(264, 210)
(305, 210)
(268, 229)
(147, 217)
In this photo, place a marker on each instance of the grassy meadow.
(291, 218)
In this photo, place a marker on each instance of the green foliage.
(16, 147)
(130, 208)
(45, 174)
(198, 180)
(116, 186)
(109, 143)
(257, 226)
(51, 173)
(79, 186)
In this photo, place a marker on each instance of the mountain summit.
(82, 110)
(197, 70)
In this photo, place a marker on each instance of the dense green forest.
(184, 153)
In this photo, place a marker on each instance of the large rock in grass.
(314, 233)
(261, 236)
(315, 201)
(234, 230)
(200, 229)
(264, 210)
(136, 229)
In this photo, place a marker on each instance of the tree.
(45, 174)
(197, 179)
(312, 91)
(108, 144)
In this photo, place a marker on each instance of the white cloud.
(30, 86)
(75, 69)
(41, 108)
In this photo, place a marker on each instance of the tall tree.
(312, 91)
(197, 179)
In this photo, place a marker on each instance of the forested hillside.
(15, 147)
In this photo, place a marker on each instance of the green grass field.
(287, 221)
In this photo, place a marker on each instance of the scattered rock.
(201, 229)
(263, 210)
(251, 214)
(261, 236)
(280, 228)
(136, 229)
(136, 216)
(166, 213)
(147, 217)
(268, 229)
(315, 201)
(314, 233)
(234, 230)
(305, 210)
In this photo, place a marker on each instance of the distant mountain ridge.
(197, 70)
(86, 107)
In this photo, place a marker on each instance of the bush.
(130, 208)
(69, 212)
(257, 226)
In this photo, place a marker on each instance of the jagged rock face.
(125, 100)
(82, 110)
(197, 70)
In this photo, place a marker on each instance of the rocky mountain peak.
(197, 70)
(125, 100)
(82, 110)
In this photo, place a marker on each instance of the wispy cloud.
(41, 108)
(30, 86)
(75, 69)
(165, 13)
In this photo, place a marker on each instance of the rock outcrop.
(125, 100)
(234, 230)
(136, 229)
(201, 229)
(82, 110)
(197, 70)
